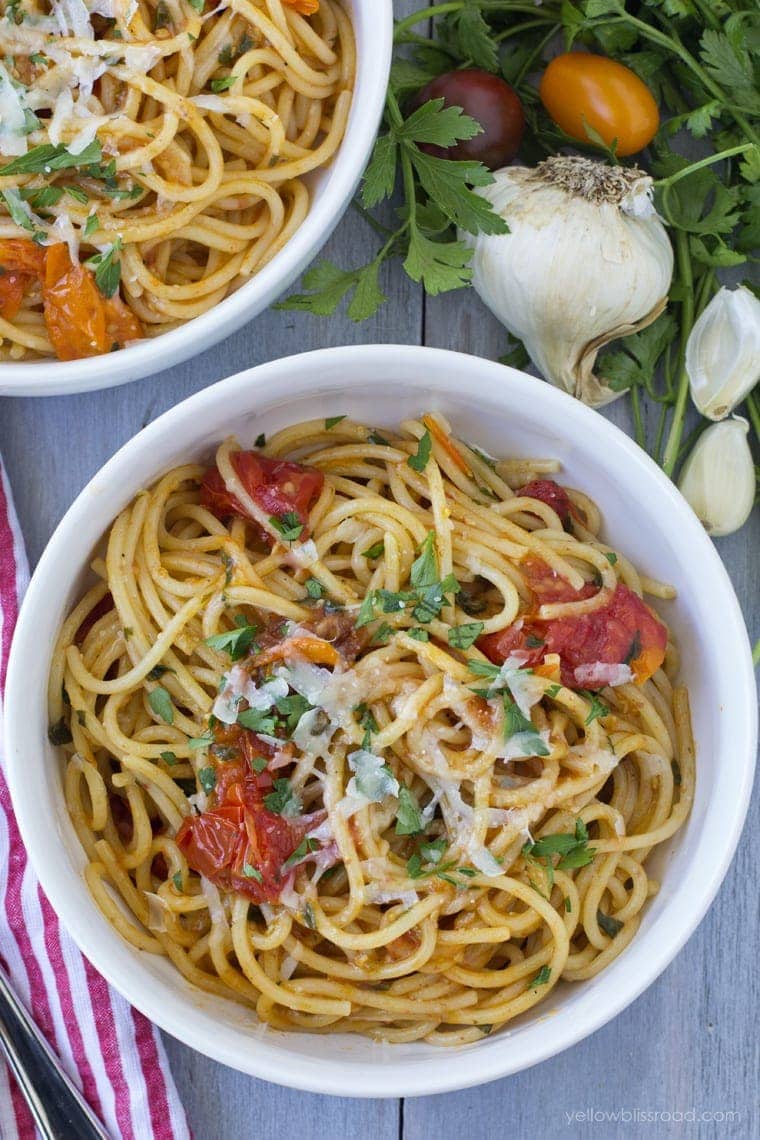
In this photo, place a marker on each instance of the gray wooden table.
(689, 1045)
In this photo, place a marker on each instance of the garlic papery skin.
(723, 352)
(718, 479)
(587, 260)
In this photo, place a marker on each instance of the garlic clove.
(718, 478)
(723, 352)
(587, 260)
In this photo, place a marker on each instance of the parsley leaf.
(541, 978)
(463, 636)
(408, 817)
(161, 703)
(611, 926)
(283, 799)
(252, 872)
(107, 268)
(314, 588)
(375, 551)
(258, 720)
(288, 525)
(236, 642)
(331, 421)
(46, 158)
(207, 779)
(419, 461)
(304, 848)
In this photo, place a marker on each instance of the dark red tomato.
(492, 103)
(278, 486)
(549, 492)
(239, 833)
(104, 606)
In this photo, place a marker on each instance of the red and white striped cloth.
(110, 1050)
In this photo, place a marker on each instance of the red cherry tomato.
(624, 631)
(549, 492)
(238, 844)
(277, 486)
(579, 89)
(492, 103)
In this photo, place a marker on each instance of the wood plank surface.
(689, 1044)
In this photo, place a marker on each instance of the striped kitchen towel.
(110, 1050)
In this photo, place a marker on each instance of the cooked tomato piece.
(278, 486)
(303, 7)
(80, 320)
(551, 493)
(21, 264)
(104, 606)
(238, 833)
(624, 631)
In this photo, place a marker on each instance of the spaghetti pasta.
(369, 732)
(156, 156)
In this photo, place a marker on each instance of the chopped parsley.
(598, 707)
(207, 779)
(235, 642)
(259, 720)
(46, 158)
(287, 525)
(611, 926)
(196, 742)
(375, 551)
(368, 723)
(463, 636)
(261, 440)
(306, 847)
(378, 439)
(611, 557)
(419, 461)
(161, 703)
(219, 85)
(314, 588)
(177, 880)
(572, 849)
(521, 731)
(418, 634)
(331, 421)
(541, 978)
(169, 758)
(408, 817)
(107, 267)
(259, 763)
(283, 799)
(251, 872)
(292, 708)
(158, 671)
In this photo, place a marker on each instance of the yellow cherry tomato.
(579, 89)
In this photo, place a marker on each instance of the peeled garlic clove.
(723, 352)
(718, 479)
(587, 260)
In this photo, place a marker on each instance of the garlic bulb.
(718, 479)
(587, 260)
(723, 352)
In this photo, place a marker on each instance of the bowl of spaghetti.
(351, 724)
(167, 169)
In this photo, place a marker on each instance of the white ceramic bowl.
(507, 413)
(333, 188)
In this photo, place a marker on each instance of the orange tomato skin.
(80, 320)
(21, 263)
(610, 98)
(304, 7)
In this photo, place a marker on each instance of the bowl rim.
(384, 1077)
(147, 357)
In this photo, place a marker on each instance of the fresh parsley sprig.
(438, 196)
